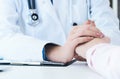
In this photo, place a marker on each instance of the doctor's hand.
(78, 35)
(88, 29)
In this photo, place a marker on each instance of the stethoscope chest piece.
(33, 17)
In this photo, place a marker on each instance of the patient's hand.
(82, 49)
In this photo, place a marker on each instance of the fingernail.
(102, 36)
(98, 34)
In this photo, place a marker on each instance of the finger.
(91, 34)
(86, 30)
(74, 29)
(86, 33)
(81, 40)
(93, 23)
(87, 25)
(92, 27)
(88, 22)
(96, 30)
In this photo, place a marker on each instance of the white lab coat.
(20, 41)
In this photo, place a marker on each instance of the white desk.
(75, 71)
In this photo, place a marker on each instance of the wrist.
(59, 53)
(81, 51)
(50, 49)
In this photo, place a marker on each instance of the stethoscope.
(34, 18)
(33, 14)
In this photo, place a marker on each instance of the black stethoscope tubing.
(32, 4)
(34, 15)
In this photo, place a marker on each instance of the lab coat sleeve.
(104, 59)
(14, 45)
(105, 19)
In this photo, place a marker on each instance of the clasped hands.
(79, 40)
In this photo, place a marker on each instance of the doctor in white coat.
(24, 40)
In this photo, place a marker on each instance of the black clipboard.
(43, 63)
(50, 63)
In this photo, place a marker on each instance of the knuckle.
(88, 28)
(82, 32)
(86, 38)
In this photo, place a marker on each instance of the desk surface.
(75, 71)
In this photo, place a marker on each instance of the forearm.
(58, 54)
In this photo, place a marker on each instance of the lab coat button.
(74, 24)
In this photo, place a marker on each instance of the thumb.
(88, 22)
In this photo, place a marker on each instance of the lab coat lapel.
(48, 8)
(62, 9)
